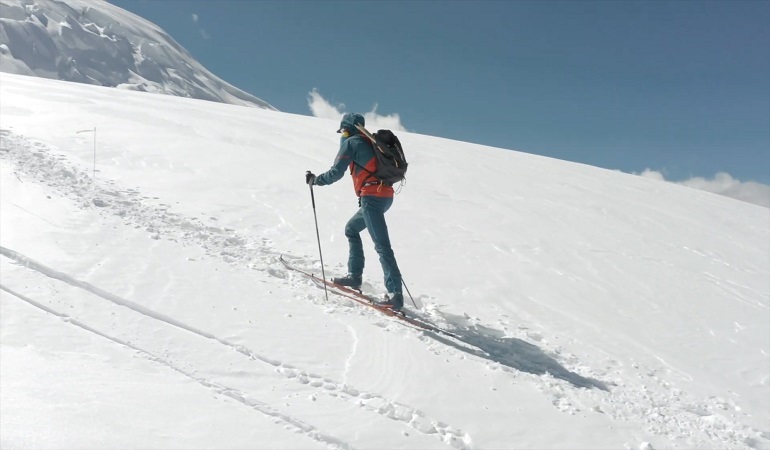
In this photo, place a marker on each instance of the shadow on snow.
(517, 354)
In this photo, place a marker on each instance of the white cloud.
(652, 174)
(204, 34)
(723, 184)
(321, 108)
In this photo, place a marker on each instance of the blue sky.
(681, 88)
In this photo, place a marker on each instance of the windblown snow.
(94, 42)
(144, 304)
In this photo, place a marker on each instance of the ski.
(365, 300)
(366, 132)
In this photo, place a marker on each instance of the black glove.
(309, 178)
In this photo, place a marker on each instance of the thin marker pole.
(94, 132)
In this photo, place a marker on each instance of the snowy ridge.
(94, 42)
(196, 289)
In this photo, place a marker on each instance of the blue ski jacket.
(356, 154)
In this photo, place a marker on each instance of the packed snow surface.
(144, 304)
(94, 42)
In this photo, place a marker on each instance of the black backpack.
(391, 162)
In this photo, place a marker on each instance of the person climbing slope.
(356, 154)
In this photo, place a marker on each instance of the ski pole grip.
(312, 196)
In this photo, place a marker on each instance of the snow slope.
(94, 42)
(146, 307)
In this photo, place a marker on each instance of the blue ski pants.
(371, 216)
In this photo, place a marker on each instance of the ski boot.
(349, 280)
(393, 300)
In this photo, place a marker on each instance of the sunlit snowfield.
(144, 306)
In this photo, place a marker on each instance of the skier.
(374, 199)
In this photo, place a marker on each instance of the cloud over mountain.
(723, 184)
(323, 109)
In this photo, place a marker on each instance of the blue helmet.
(349, 122)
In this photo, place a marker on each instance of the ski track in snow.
(239, 396)
(75, 184)
(370, 401)
(662, 409)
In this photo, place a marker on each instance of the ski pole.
(407, 291)
(318, 237)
